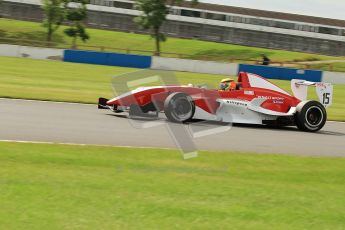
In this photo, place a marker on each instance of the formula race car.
(255, 100)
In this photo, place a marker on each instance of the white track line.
(55, 102)
(342, 122)
(77, 144)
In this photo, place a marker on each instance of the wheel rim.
(182, 109)
(314, 116)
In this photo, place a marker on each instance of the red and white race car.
(254, 101)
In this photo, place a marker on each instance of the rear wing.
(324, 91)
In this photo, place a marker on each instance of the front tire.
(179, 107)
(311, 116)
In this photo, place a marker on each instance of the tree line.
(74, 13)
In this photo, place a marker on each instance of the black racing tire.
(310, 116)
(179, 107)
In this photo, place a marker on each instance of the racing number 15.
(326, 97)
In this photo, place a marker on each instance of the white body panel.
(259, 82)
(237, 111)
(324, 91)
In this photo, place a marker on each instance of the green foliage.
(76, 31)
(54, 14)
(77, 16)
(154, 13)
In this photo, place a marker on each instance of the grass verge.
(82, 187)
(337, 67)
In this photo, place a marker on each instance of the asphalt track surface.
(37, 121)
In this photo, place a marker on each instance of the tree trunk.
(49, 34)
(158, 45)
(74, 43)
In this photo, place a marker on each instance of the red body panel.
(206, 99)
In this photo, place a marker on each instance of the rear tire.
(179, 107)
(311, 116)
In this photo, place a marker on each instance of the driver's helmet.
(227, 84)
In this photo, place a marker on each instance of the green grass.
(61, 81)
(73, 187)
(189, 48)
(337, 67)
